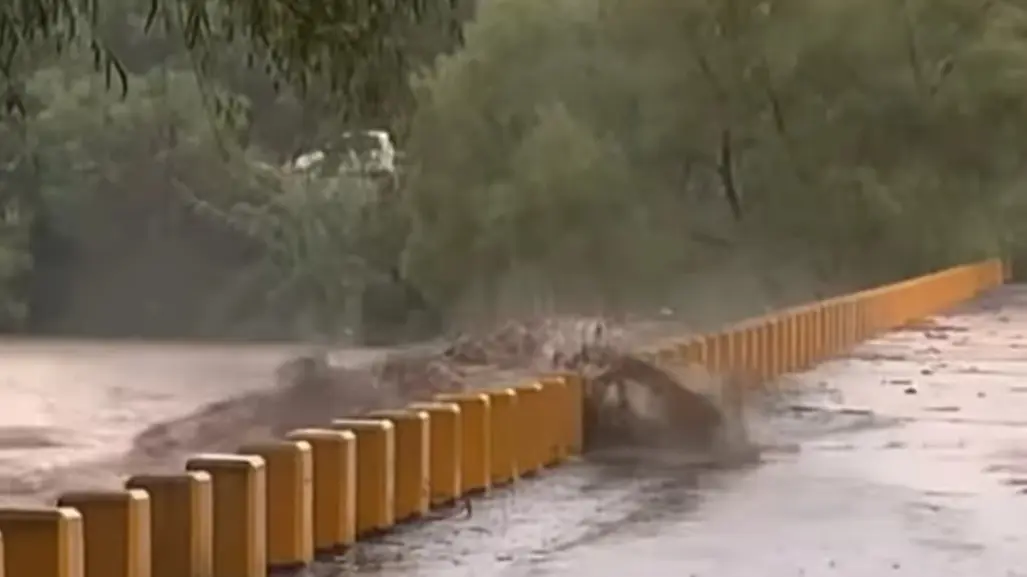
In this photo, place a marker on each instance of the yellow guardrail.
(798, 338)
(319, 490)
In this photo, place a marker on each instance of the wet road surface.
(908, 458)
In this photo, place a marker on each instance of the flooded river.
(907, 458)
(68, 409)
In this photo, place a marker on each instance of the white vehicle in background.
(359, 153)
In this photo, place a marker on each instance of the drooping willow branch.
(356, 49)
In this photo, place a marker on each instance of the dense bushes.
(168, 213)
(583, 143)
(590, 154)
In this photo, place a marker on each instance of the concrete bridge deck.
(908, 457)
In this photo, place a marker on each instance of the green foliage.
(601, 140)
(159, 174)
(16, 217)
(166, 164)
(360, 52)
(573, 154)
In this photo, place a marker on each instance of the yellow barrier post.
(816, 335)
(576, 406)
(116, 531)
(530, 444)
(844, 307)
(665, 354)
(775, 346)
(694, 351)
(504, 435)
(43, 542)
(935, 291)
(848, 316)
(790, 325)
(824, 350)
(710, 348)
(799, 333)
(806, 339)
(848, 324)
(801, 340)
(755, 350)
(239, 491)
(739, 354)
(890, 309)
(829, 344)
(906, 300)
(722, 361)
(876, 309)
(870, 314)
(734, 351)
(883, 313)
(838, 313)
(855, 333)
(756, 365)
(891, 302)
(446, 450)
(334, 486)
(837, 327)
(767, 353)
(736, 360)
(476, 439)
(553, 409)
(862, 329)
(845, 340)
(829, 334)
(570, 403)
(881, 310)
(289, 501)
(376, 473)
(701, 350)
(784, 356)
(816, 340)
(831, 312)
(181, 523)
(412, 461)
(835, 309)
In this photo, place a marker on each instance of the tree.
(577, 153)
(865, 141)
(359, 51)
(174, 147)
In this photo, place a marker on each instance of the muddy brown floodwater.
(69, 409)
(909, 457)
